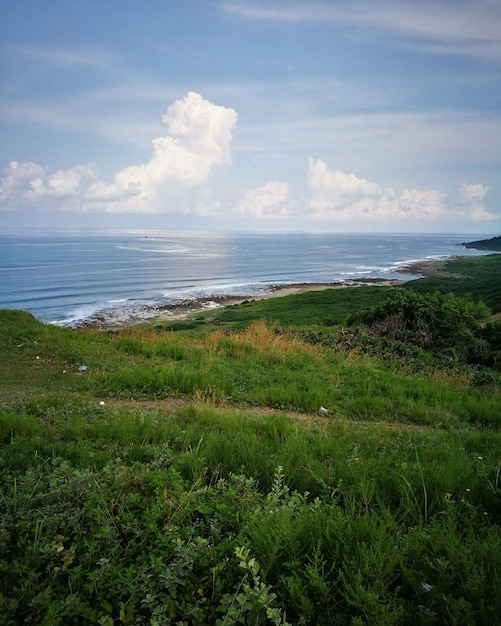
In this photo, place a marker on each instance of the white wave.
(77, 316)
(221, 289)
(173, 250)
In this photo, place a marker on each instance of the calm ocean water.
(70, 277)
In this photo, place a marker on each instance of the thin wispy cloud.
(470, 29)
(63, 57)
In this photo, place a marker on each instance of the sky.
(272, 115)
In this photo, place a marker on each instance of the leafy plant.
(441, 324)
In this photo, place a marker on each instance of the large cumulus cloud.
(336, 195)
(196, 145)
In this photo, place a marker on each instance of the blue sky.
(355, 115)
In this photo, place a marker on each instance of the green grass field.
(284, 467)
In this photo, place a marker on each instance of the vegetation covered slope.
(494, 243)
(476, 277)
(300, 473)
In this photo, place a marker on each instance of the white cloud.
(29, 184)
(196, 145)
(68, 183)
(335, 195)
(99, 194)
(20, 180)
(330, 189)
(266, 201)
(471, 202)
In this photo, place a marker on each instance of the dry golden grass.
(461, 380)
(263, 336)
(137, 333)
(210, 398)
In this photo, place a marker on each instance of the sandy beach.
(130, 316)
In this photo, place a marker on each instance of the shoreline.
(118, 319)
(276, 291)
(132, 316)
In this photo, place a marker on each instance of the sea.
(71, 278)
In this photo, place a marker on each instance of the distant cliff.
(485, 244)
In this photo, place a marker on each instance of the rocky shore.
(115, 319)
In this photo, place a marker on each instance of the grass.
(327, 307)
(191, 479)
(109, 511)
(478, 277)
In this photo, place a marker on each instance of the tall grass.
(257, 366)
(260, 366)
(140, 515)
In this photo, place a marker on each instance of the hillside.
(322, 458)
(494, 243)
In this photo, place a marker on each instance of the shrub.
(442, 324)
(491, 333)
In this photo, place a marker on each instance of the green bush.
(491, 334)
(442, 324)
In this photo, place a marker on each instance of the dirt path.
(172, 404)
